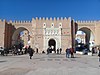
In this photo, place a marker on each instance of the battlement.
(15, 21)
(19, 21)
(2, 20)
(87, 21)
(50, 18)
(38, 19)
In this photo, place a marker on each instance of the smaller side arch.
(17, 37)
(89, 36)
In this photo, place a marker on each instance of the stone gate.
(40, 31)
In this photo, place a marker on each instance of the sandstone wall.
(2, 32)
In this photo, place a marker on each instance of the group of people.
(17, 49)
(69, 52)
(50, 50)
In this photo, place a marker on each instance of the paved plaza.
(42, 64)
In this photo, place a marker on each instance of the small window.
(60, 24)
(52, 24)
(44, 24)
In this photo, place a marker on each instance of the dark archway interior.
(87, 37)
(52, 43)
(16, 36)
(87, 32)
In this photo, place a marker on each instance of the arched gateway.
(52, 45)
(20, 35)
(44, 32)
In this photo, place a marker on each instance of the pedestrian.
(30, 51)
(99, 54)
(72, 52)
(60, 50)
(36, 50)
(6, 51)
(67, 52)
(26, 49)
(48, 51)
(93, 50)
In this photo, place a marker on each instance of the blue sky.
(26, 9)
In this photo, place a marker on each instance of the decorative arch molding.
(57, 40)
(87, 28)
(18, 27)
(18, 30)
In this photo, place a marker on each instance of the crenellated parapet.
(2, 20)
(55, 22)
(20, 22)
(87, 21)
(15, 21)
(50, 18)
(37, 19)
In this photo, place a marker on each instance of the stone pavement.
(42, 64)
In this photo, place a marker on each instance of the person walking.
(67, 52)
(48, 51)
(60, 50)
(26, 49)
(72, 52)
(93, 50)
(30, 51)
(36, 50)
(99, 55)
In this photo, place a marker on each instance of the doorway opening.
(52, 45)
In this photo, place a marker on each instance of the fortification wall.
(97, 33)
(2, 32)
